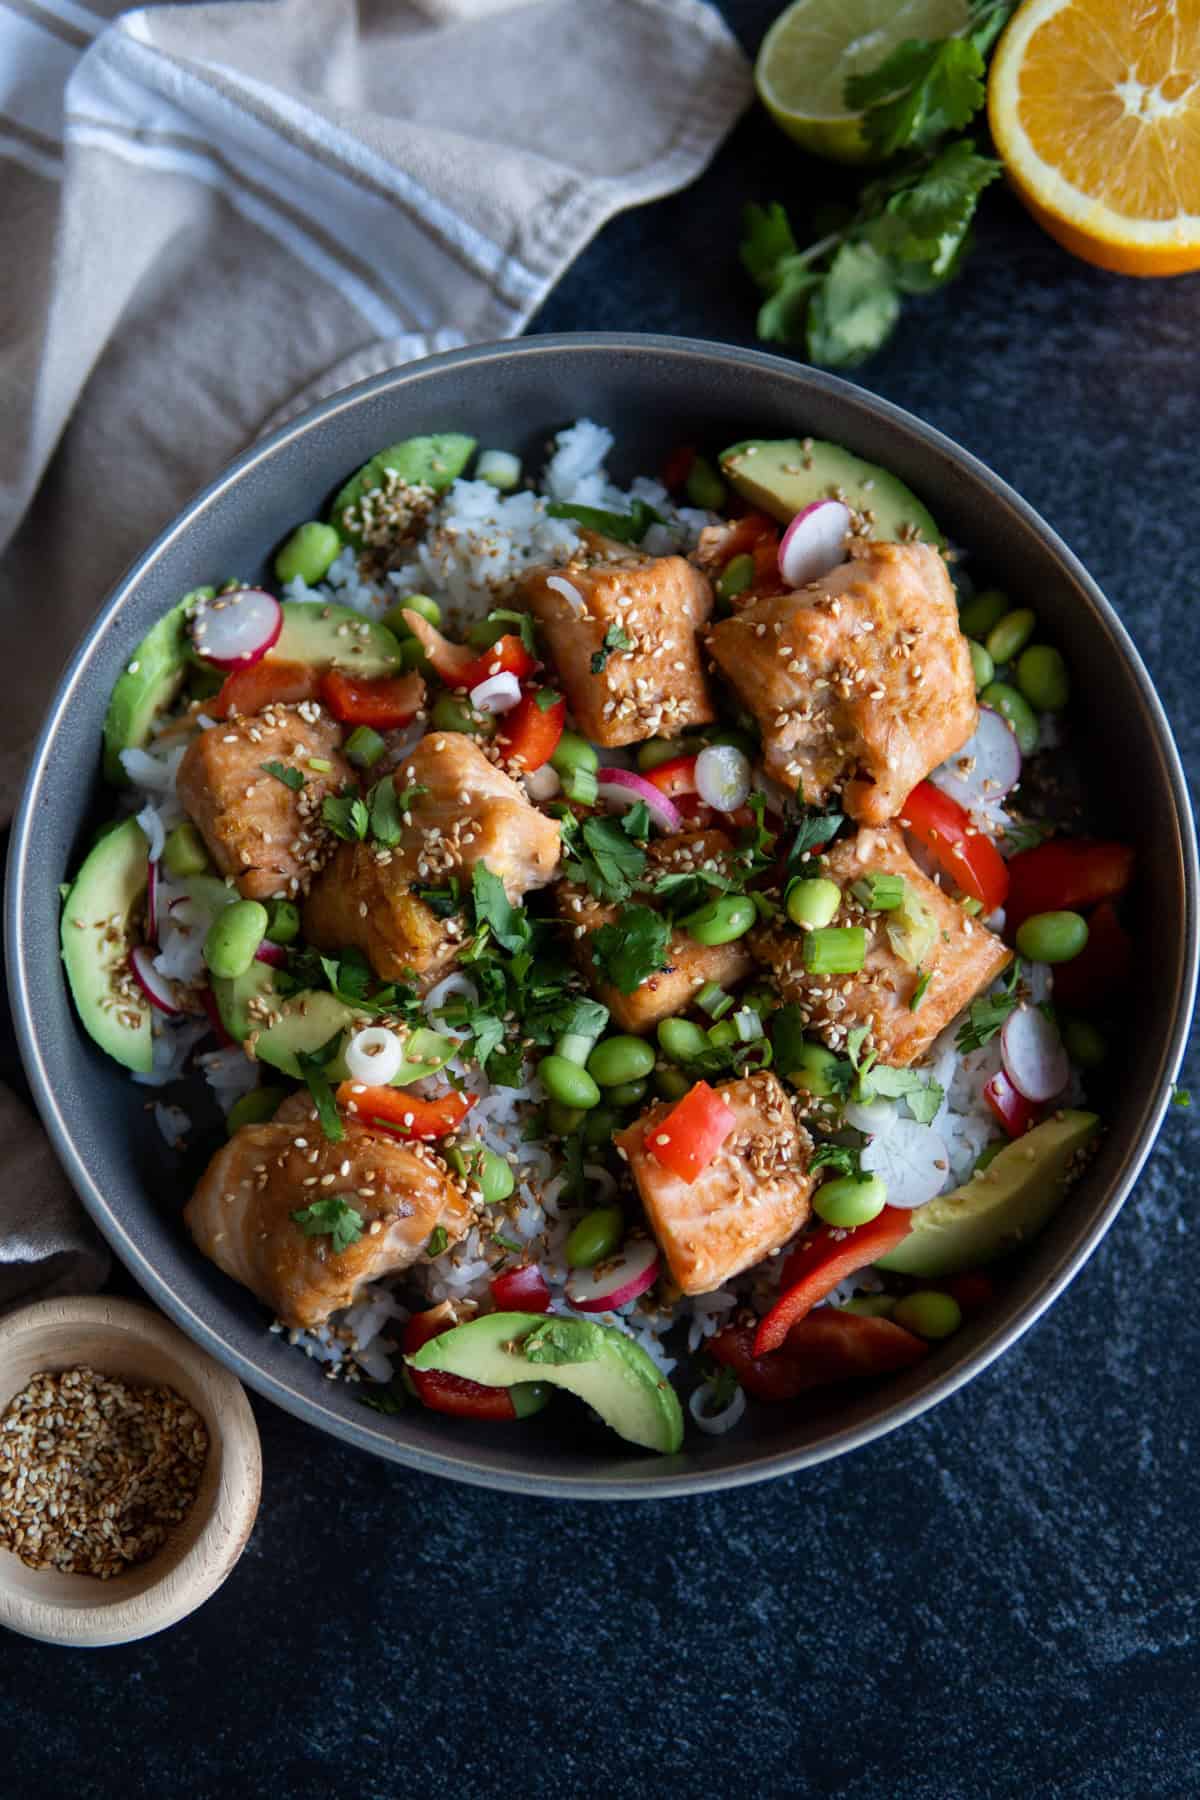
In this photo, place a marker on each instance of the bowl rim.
(218, 1545)
(465, 1465)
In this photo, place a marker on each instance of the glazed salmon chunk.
(689, 964)
(958, 954)
(241, 1212)
(459, 810)
(621, 631)
(752, 1197)
(265, 833)
(862, 683)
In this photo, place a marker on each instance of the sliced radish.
(158, 991)
(814, 542)
(987, 767)
(496, 694)
(723, 777)
(912, 1160)
(1034, 1058)
(872, 1117)
(152, 900)
(274, 955)
(238, 628)
(617, 1280)
(620, 789)
(716, 1423)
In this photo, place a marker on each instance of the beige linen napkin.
(214, 214)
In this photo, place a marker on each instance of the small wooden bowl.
(127, 1341)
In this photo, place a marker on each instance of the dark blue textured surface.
(999, 1600)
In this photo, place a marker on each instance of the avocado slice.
(95, 949)
(309, 1020)
(784, 475)
(148, 684)
(597, 1362)
(998, 1209)
(234, 994)
(419, 462)
(329, 635)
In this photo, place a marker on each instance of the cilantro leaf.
(925, 88)
(635, 821)
(345, 815)
(524, 622)
(442, 902)
(312, 1069)
(625, 527)
(839, 1157)
(559, 1014)
(545, 699)
(633, 947)
(767, 241)
(601, 855)
(854, 310)
(682, 892)
(813, 832)
(615, 638)
(333, 1217)
(922, 1096)
(987, 1014)
(386, 806)
(1024, 834)
(437, 1241)
(508, 923)
(291, 778)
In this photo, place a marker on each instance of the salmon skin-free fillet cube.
(862, 683)
(962, 959)
(625, 648)
(689, 964)
(266, 834)
(753, 1196)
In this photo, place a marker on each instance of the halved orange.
(1095, 108)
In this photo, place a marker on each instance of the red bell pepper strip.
(822, 1259)
(747, 533)
(826, 1347)
(265, 683)
(678, 467)
(529, 734)
(674, 778)
(1065, 874)
(692, 1132)
(959, 848)
(396, 1110)
(521, 1290)
(693, 813)
(507, 656)
(445, 1393)
(385, 703)
(1009, 1106)
(1102, 969)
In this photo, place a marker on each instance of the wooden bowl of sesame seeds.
(205, 1465)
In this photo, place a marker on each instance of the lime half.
(813, 46)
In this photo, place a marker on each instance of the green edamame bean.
(988, 1155)
(416, 603)
(813, 903)
(184, 852)
(616, 1060)
(1052, 937)
(704, 486)
(670, 1083)
(283, 921)
(254, 1108)
(869, 1306)
(308, 553)
(596, 1236)
(1085, 1043)
(1016, 709)
(722, 920)
(657, 751)
(452, 714)
(983, 612)
(563, 1121)
(598, 1127)
(627, 1093)
(529, 1397)
(568, 1083)
(849, 1201)
(982, 665)
(1043, 677)
(495, 1178)
(1009, 636)
(234, 936)
(928, 1313)
(813, 1071)
(736, 577)
(574, 752)
(681, 1040)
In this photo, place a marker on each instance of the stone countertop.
(999, 1599)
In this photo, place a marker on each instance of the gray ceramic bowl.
(654, 393)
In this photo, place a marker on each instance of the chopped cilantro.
(988, 1013)
(635, 821)
(438, 1240)
(922, 1096)
(345, 815)
(633, 947)
(389, 1399)
(626, 528)
(442, 902)
(312, 1068)
(493, 908)
(291, 778)
(524, 622)
(385, 807)
(602, 856)
(839, 1157)
(615, 638)
(812, 831)
(333, 1217)
(682, 892)
(545, 699)
(1024, 834)
(1181, 1096)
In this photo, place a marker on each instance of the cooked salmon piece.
(268, 836)
(241, 1212)
(753, 1196)
(861, 682)
(963, 957)
(689, 964)
(459, 810)
(625, 647)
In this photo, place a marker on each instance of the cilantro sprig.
(332, 1217)
(987, 1014)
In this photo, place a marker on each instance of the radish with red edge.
(497, 694)
(620, 789)
(237, 628)
(208, 1001)
(723, 777)
(617, 1280)
(814, 542)
(521, 1290)
(156, 988)
(1011, 1108)
(274, 955)
(986, 767)
(1034, 1058)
